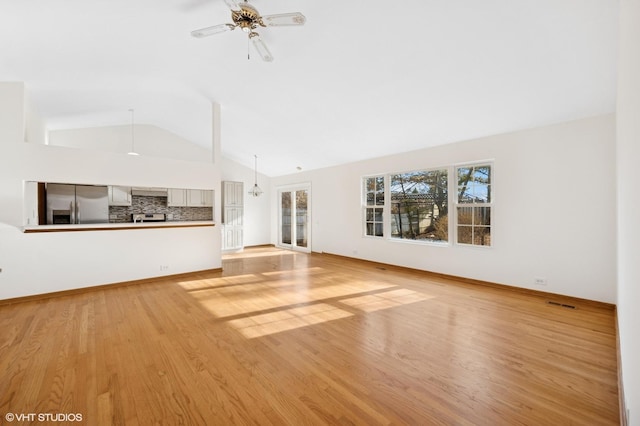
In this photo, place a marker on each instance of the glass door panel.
(285, 218)
(294, 218)
(301, 218)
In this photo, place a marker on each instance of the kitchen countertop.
(116, 226)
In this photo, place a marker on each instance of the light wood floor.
(283, 338)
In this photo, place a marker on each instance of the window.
(474, 205)
(419, 205)
(373, 205)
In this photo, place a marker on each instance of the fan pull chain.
(248, 48)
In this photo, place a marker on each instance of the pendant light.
(133, 151)
(256, 191)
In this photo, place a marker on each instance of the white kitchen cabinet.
(232, 215)
(199, 198)
(208, 198)
(232, 192)
(231, 238)
(31, 203)
(176, 197)
(119, 195)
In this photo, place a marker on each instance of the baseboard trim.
(241, 249)
(624, 421)
(542, 294)
(100, 287)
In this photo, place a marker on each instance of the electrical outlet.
(164, 267)
(540, 281)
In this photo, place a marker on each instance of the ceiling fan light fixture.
(262, 48)
(247, 18)
(232, 4)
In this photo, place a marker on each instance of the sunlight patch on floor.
(289, 319)
(386, 300)
(212, 283)
(297, 271)
(238, 300)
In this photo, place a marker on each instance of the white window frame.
(489, 204)
(366, 207)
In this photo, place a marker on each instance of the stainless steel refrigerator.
(76, 204)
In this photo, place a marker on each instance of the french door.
(294, 217)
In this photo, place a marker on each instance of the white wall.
(554, 211)
(628, 155)
(35, 127)
(147, 140)
(48, 262)
(257, 213)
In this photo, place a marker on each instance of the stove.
(148, 217)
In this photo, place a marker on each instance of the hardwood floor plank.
(280, 337)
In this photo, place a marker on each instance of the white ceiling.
(361, 79)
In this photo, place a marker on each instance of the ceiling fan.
(248, 19)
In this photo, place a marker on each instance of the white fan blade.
(262, 49)
(216, 29)
(233, 4)
(284, 19)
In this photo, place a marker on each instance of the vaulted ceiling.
(358, 80)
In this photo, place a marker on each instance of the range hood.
(149, 192)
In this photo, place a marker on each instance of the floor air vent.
(562, 305)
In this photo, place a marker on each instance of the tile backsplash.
(143, 204)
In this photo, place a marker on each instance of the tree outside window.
(473, 208)
(419, 206)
